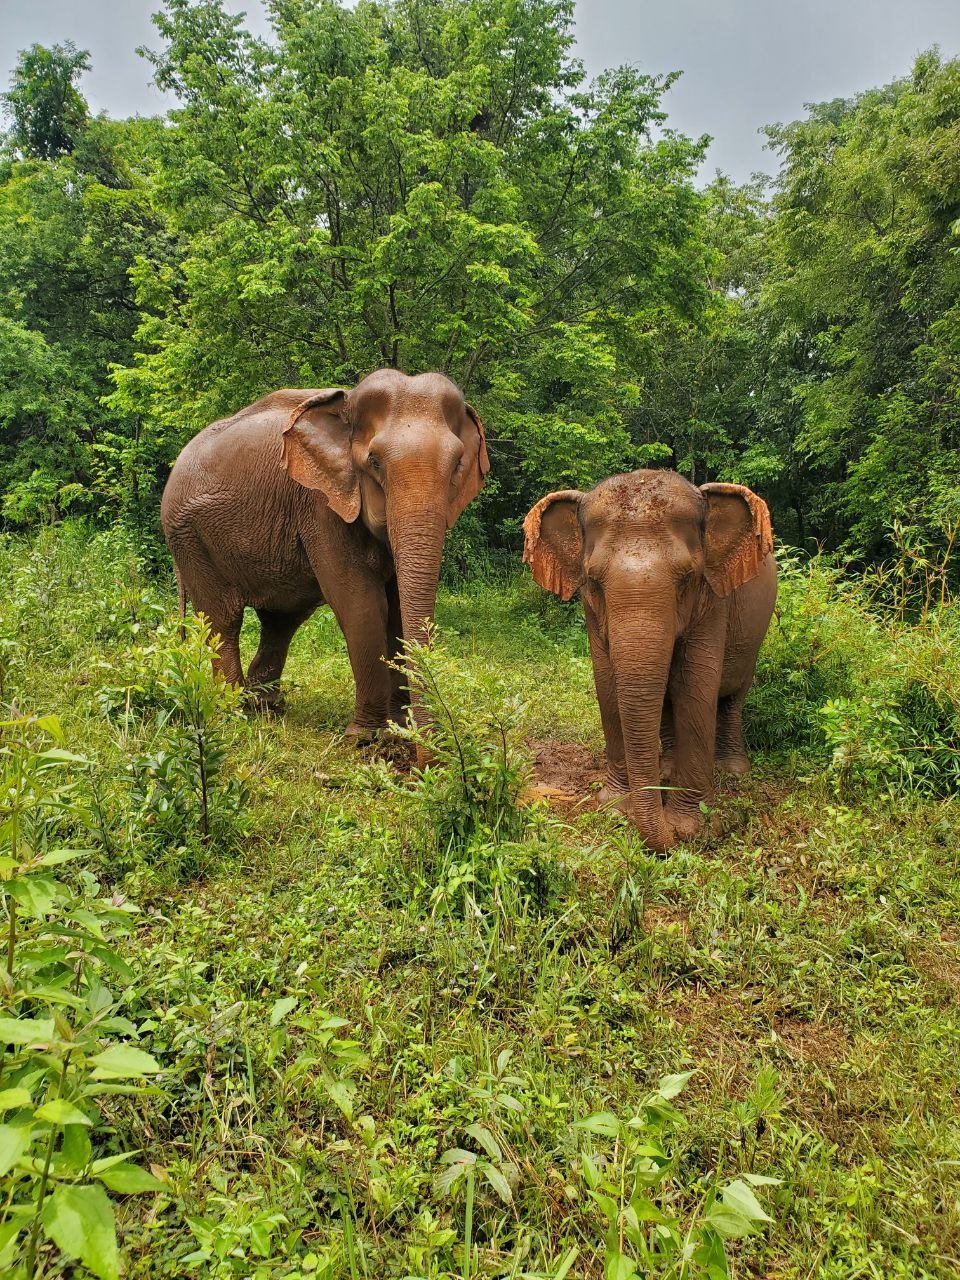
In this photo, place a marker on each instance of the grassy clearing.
(339, 1001)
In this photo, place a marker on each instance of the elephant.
(326, 496)
(678, 586)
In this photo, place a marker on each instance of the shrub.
(813, 646)
(847, 675)
(65, 1043)
(184, 799)
(471, 788)
(632, 1179)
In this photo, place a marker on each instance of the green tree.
(71, 226)
(863, 287)
(47, 110)
(418, 183)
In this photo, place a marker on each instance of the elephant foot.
(735, 763)
(361, 735)
(264, 701)
(613, 797)
(684, 824)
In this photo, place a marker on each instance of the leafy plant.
(478, 767)
(65, 1044)
(184, 796)
(633, 1182)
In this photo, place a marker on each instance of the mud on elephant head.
(678, 586)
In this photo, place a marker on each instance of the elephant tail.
(181, 603)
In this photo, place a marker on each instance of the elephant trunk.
(416, 537)
(641, 650)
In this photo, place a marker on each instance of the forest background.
(437, 185)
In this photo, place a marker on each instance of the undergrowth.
(383, 1022)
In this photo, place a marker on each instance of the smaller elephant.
(678, 586)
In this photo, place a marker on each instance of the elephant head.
(653, 558)
(403, 454)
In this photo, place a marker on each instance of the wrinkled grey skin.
(330, 496)
(678, 586)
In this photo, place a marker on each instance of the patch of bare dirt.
(734, 1022)
(565, 774)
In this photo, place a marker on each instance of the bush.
(477, 850)
(185, 803)
(479, 767)
(65, 1042)
(858, 683)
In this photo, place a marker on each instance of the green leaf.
(129, 1179)
(281, 1008)
(37, 894)
(603, 1123)
(54, 857)
(486, 1140)
(79, 1220)
(60, 1112)
(499, 1183)
(591, 1174)
(619, 1267)
(341, 1093)
(13, 1099)
(458, 1162)
(57, 755)
(8, 1239)
(711, 1256)
(50, 725)
(14, 1141)
(26, 1030)
(75, 1150)
(646, 1210)
(729, 1223)
(670, 1086)
(121, 1061)
(738, 1196)
(566, 1262)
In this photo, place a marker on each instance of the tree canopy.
(436, 184)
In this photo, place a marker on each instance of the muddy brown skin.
(325, 496)
(678, 587)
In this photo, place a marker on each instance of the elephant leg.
(263, 677)
(399, 691)
(360, 606)
(731, 751)
(694, 685)
(615, 783)
(223, 610)
(666, 741)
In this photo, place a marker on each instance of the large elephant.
(678, 587)
(332, 496)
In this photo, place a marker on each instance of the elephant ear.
(553, 542)
(738, 536)
(317, 454)
(476, 464)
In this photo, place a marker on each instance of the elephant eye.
(373, 462)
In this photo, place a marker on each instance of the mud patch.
(565, 774)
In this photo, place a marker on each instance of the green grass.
(802, 959)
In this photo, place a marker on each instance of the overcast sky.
(746, 63)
